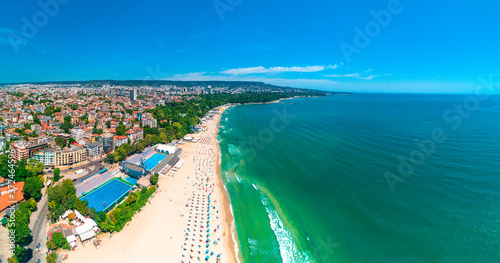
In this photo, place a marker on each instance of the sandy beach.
(188, 216)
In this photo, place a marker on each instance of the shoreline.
(228, 215)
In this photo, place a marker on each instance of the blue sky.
(425, 46)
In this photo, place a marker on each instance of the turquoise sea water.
(365, 178)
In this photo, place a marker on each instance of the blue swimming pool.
(152, 161)
(107, 195)
(131, 180)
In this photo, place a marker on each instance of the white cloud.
(325, 84)
(262, 70)
(353, 75)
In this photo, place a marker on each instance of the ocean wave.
(237, 178)
(255, 187)
(254, 248)
(233, 149)
(288, 249)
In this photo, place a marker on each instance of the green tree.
(51, 258)
(20, 253)
(32, 188)
(34, 167)
(71, 140)
(67, 118)
(154, 179)
(177, 125)
(163, 137)
(93, 213)
(57, 173)
(68, 188)
(32, 204)
(60, 142)
(66, 126)
(110, 158)
(57, 241)
(21, 225)
(132, 198)
(120, 130)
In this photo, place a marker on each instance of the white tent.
(86, 231)
(72, 241)
(87, 235)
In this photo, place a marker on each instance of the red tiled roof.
(11, 195)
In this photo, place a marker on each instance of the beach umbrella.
(208, 235)
(206, 252)
(206, 259)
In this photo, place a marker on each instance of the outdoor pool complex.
(107, 195)
(154, 160)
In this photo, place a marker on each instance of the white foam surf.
(288, 249)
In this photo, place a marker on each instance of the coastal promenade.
(163, 231)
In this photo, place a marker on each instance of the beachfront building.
(133, 170)
(71, 157)
(47, 157)
(167, 149)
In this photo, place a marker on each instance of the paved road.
(78, 179)
(38, 226)
(77, 167)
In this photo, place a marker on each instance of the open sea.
(365, 178)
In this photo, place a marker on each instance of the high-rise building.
(3, 142)
(107, 143)
(133, 95)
